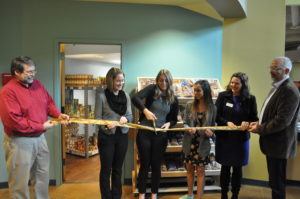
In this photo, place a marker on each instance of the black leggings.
(112, 149)
(151, 147)
(236, 178)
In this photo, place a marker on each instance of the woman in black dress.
(235, 107)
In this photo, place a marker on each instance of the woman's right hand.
(192, 131)
(230, 124)
(149, 115)
(111, 126)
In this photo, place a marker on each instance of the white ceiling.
(110, 54)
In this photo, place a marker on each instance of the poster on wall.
(5, 78)
(183, 87)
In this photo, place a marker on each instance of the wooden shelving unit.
(172, 176)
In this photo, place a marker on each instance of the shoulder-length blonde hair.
(170, 92)
(111, 75)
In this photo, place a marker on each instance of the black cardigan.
(148, 94)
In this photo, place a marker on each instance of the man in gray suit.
(277, 124)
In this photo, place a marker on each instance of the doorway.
(83, 68)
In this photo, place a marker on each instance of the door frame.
(59, 76)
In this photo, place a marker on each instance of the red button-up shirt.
(24, 110)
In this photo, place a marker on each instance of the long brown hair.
(170, 92)
(207, 99)
(111, 75)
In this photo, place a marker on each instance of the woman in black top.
(113, 104)
(162, 106)
(235, 107)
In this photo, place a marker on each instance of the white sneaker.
(186, 197)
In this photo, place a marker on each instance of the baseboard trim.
(52, 182)
(127, 181)
(4, 185)
(245, 181)
(293, 183)
(260, 183)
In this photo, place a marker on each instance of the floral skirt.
(194, 158)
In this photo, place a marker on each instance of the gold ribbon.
(137, 126)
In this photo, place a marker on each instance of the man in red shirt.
(25, 106)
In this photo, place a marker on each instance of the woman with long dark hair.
(236, 107)
(196, 144)
(113, 104)
(160, 106)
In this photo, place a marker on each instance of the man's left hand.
(64, 118)
(253, 127)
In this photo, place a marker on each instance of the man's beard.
(27, 81)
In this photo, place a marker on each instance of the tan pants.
(27, 158)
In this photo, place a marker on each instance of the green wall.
(152, 37)
(292, 2)
(249, 45)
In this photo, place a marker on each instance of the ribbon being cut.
(137, 126)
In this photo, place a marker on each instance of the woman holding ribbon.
(236, 107)
(159, 111)
(113, 104)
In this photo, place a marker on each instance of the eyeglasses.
(276, 68)
(30, 72)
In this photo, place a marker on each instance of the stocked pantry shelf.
(173, 189)
(171, 174)
(83, 154)
(78, 88)
(82, 87)
(172, 169)
(174, 149)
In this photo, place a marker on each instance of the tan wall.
(295, 74)
(249, 45)
(293, 171)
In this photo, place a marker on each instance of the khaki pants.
(27, 158)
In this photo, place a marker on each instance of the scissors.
(154, 126)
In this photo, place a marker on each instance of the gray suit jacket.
(204, 143)
(278, 134)
(104, 112)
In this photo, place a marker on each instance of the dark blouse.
(148, 94)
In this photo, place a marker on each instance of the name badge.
(229, 104)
